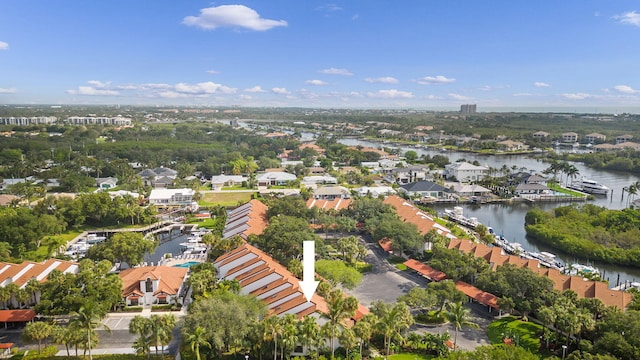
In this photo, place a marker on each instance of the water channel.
(508, 219)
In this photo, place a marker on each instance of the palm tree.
(274, 327)
(392, 322)
(571, 171)
(459, 317)
(289, 334)
(309, 332)
(37, 331)
(198, 339)
(161, 329)
(364, 329)
(340, 307)
(88, 317)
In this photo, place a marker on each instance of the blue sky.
(358, 53)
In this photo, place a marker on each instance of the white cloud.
(390, 94)
(355, 17)
(329, 7)
(92, 91)
(316, 82)
(541, 84)
(382, 80)
(630, 18)
(235, 16)
(213, 72)
(335, 71)
(255, 89)
(434, 80)
(245, 97)
(459, 97)
(576, 96)
(625, 89)
(151, 90)
(4, 45)
(203, 88)
(281, 91)
(7, 90)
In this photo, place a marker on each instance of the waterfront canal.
(508, 219)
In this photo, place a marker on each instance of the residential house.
(7, 199)
(264, 278)
(423, 221)
(623, 138)
(21, 274)
(594, 138)
(316, 170)
(218, 181)
(464, 171)
(569, 137)
(166, 198)
(275, 178)
(604, 147)
(422, 189)
(317, 180)
(411, 174)
(6, 183)
(373, 166)
(159, 177)
(495, 256)
(470, 190)
(510, 145)
(331, 193)
(106, 183)
(148, 285)
(531, 189)
(541, 135)
(375, 191)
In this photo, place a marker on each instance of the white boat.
(582, 270)
(589, 186)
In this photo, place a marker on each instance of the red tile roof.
(478, 295)
(336, 204)
(247, 219)
(268, 267)
(411, 214)
(24, 315)
(20, 274)
(170, 279)
(561, 282)
(425, 270)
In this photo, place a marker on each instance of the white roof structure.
(376, 191)
(279, 176)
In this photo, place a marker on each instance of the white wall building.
(464, 171)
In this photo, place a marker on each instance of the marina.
(545, 258)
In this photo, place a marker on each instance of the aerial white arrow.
(308, 283)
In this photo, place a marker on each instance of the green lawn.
(523, 333)
(225, 198)
(409, 356)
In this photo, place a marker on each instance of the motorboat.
(589, 186)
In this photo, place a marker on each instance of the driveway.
(385, 282)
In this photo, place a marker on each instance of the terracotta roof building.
(261, 276)
(495, 256)
(149, 285)
(410, 213)
(247, 219)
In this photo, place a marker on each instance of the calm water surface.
(508, 219)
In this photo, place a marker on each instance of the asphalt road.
(385, 282)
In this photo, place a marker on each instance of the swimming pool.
(187, 264)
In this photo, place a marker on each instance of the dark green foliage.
(590, 232)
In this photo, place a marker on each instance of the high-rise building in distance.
(468, 108)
